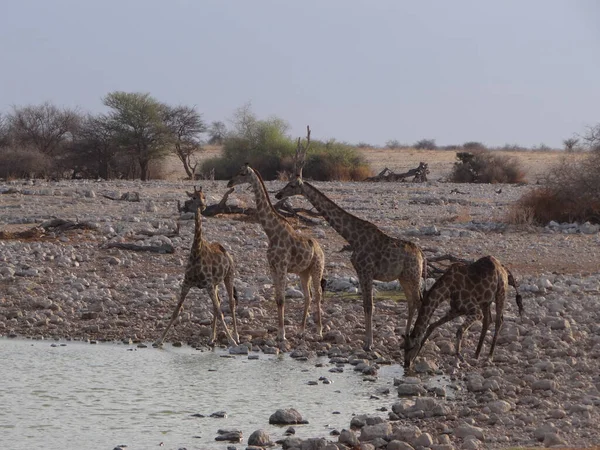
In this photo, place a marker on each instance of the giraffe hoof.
(157, 344)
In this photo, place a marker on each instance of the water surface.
(82, 396)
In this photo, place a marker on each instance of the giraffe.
(196, 199)
(288, 251)
(209, 264)
(375, 255)
(471, 290)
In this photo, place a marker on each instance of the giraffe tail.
(235, 296)
(518, 298)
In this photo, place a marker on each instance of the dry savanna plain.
(540, 389)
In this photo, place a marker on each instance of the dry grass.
(535, 164)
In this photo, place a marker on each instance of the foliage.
(335, 161)
(571, 193)
(261, 143)
(425, 144)
(486, 167)
(139, 122)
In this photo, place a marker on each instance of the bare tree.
(95, 147)
(217, 133)
(43, 127)
(185, 125)
(592, 137)
(570, 144)
(4, 131)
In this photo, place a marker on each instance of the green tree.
(185, 126)
(139, 122)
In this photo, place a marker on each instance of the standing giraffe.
(288, 251)
(471, 290)
(209, 265)
(375, 255)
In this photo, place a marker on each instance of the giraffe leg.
(279, 280)
(185, 288)
(452, 314)
(366, 284)
(232, 302)
(304, 282)
(413, 299)
(214, 296)
(461, 332)
(318, 291)
(487, 318)
(498, 327)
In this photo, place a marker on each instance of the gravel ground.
(541, 388)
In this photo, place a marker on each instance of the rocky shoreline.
(541, 389)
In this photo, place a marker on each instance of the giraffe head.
(243, 176)
(294, 187)
(412, 347)
(197, 200)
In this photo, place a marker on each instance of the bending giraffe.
(471, 290)
(209, 264)
(288, 251)
(375, 255)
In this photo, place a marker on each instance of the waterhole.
(58, 395)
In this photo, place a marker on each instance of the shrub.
(486, 167)
(425, 144)
(335, 161)
(473, 146)
(394, 144)
(571, 193)
(24, 163)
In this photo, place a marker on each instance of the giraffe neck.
(430, 303)
(356, 231)
(271, 221)
(197, 243)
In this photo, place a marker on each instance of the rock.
(499, 407)
(286, 417)
(553, 440)
(544, 385)
(469, 430)
(348, 437)
(425, 440)
(399, 445)
(380, 430)
(239, 350)
(229, 435)
(260, 438)
(541, 432)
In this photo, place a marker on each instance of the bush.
(24, 163)
(265, 145)
(571, 193)
(335, 161)
(425, 144)
(473, 146)
(394, 144)
(486, 167)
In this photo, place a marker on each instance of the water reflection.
(98, 396)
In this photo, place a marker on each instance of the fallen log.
(163, 248)
(419, 175)
(62, 225)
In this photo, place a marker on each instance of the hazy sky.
(510, 71)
